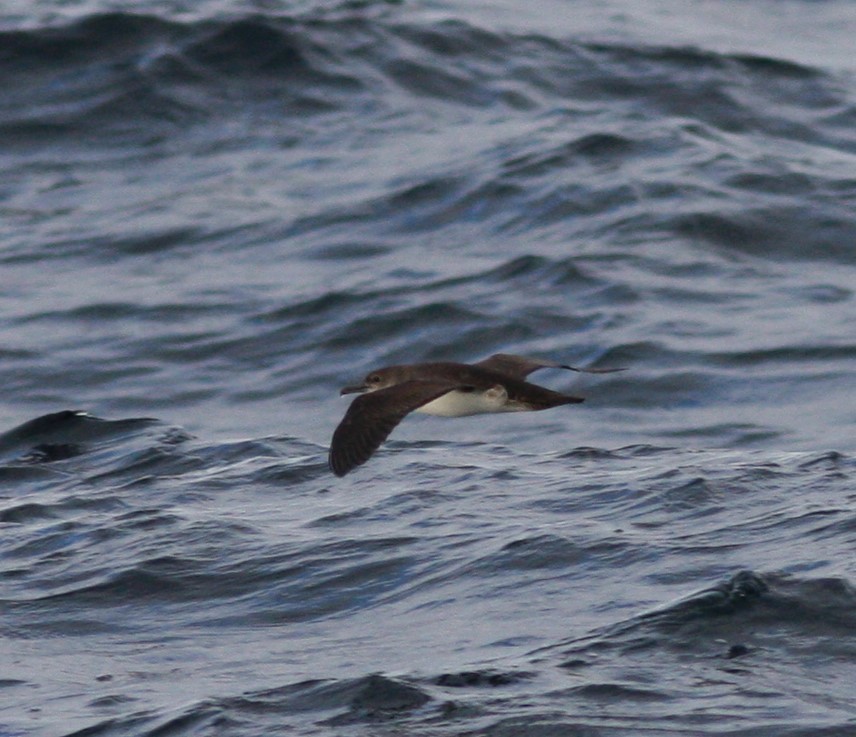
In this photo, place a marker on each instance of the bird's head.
(377, 379)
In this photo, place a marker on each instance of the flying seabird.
(387, 395)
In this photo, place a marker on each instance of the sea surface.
(214, 215)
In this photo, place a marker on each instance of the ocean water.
(214, 215)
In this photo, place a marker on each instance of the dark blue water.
(214, 216)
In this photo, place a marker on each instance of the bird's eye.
(374, 379)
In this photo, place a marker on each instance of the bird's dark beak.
(353, 389)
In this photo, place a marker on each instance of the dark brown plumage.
(372, 417)
(496, 384)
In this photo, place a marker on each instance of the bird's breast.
(475, 402)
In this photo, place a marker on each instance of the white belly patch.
(460, 404)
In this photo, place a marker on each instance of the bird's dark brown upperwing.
(520, 367)
(373, 416)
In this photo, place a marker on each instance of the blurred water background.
(215, 214)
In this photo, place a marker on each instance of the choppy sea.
(213, 215)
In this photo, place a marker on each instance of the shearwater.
(496, 384)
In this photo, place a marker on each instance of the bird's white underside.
(460, 404)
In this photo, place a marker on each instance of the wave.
(66, 434)
(373, 699)
(147, 535)
(125, 64)
(730, 153)
(656, 660)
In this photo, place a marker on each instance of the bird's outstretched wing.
(519, 367)
(373, 416)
